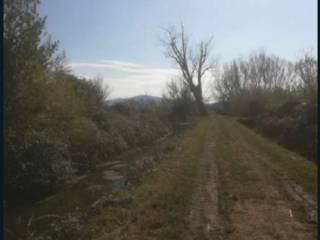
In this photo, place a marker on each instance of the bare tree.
(193, 62)
(260, 71)
(231, 82)
(306, 70)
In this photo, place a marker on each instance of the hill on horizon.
(139, 99)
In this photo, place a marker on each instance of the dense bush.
(292, 125)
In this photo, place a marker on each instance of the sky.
(119, 39)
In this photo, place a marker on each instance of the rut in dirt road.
(242, 192)
(204, 216)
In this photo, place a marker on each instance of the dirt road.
(245, 194)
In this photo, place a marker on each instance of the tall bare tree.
(306, 70)
(192, 61)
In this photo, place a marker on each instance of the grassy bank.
(297, 168)
(157, 208)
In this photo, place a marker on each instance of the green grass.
(159, 205)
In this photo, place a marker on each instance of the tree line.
(267, 74)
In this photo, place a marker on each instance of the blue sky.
(119, 39)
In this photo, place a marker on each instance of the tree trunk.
(199, 101)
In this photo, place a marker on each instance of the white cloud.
(109, 64)
(135, 78)
(128, 79)
(122, 64)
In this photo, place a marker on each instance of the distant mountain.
(141, 100)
